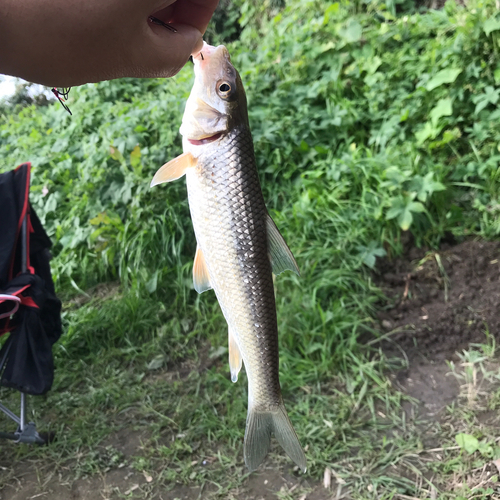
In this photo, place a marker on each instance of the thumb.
(163, 53)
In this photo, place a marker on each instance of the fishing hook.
(62, 95)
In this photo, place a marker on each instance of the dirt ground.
(440, 303)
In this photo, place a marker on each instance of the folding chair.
(29, 308)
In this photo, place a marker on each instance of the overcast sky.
(7, 86)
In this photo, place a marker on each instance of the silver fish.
(239, 245)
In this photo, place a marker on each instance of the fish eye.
(224, 88)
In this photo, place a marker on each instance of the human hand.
(64, 43)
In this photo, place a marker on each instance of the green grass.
(187, 413)
(356, 141)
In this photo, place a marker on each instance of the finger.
(197, 13)
(162, 53)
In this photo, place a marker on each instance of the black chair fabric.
(26, 361)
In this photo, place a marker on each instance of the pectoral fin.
(235, 360)
(201, 278)
(174, 169)
(280, 255)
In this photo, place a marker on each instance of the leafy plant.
(366, 123)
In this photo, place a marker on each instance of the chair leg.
(26, 432)
(22, 412)
(10, 414)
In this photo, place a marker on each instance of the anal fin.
(235, 360)
(174, 169)
(201, 277)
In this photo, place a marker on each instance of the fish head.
(217, 102)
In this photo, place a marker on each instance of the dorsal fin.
(280, 255)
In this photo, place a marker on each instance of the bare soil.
(443, 301)
(440, 303)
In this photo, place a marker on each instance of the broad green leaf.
(424, 186)
(402, 208)
(395, 177)
(491, 24)
(467, 442)
(393, 212)
(303, 146)
(448, 136)
(416, 185)
(325, 47)
(481, 105)
(448, 75)
(485, 449)
(135, 157)
(51, 203)
(489, 96)
(431, 185)
(115, 154)
(492, 94)
(352, 32)
(330, 11)
(370, 252)
(405, 220)
(442, 108)
(416, 206)
(101, 218)
(398, 206)
(372, 65)
(427, 132)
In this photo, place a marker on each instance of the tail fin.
(260, 426)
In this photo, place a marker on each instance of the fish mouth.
(205, 140)
(207, 52)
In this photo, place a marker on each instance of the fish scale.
(239, 246)
(230, 195)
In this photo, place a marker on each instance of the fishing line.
(62, 95)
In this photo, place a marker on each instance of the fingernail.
(198, 46)
(159, 22)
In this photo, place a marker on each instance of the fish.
(239, 246)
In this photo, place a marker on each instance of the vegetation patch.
(376, 130)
